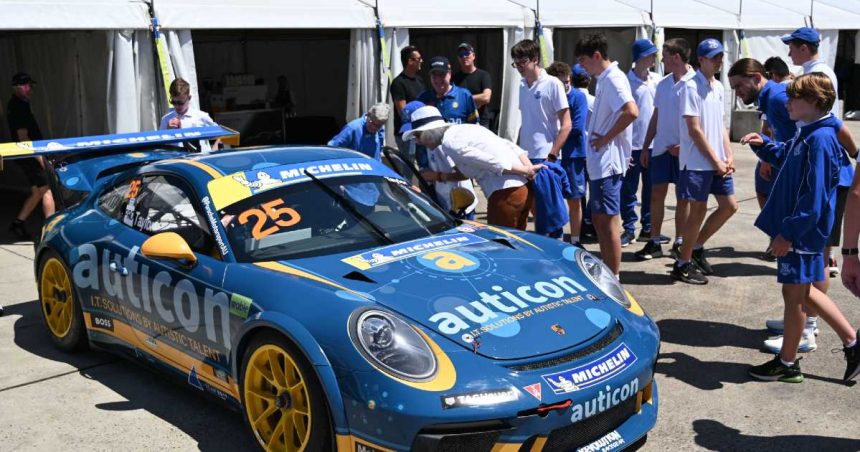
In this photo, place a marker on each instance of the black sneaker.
(644, 236)
(651, 250)
(588, 233)
(17, 228)
(701, 262)
(689, 273)
(627, 238)
(676, 251)
(852, 356)
(775, 370)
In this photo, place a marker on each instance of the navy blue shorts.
(663, 169)
(761, 185)
(794, 268)
(575, 169)
(605, 195)
(697, 185)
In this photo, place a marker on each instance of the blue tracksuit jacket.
(551, 188)
(802, 204)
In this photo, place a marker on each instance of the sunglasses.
(178, 102)
(464, 54)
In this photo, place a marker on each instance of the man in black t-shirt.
(404, 89)
(23, 127)
(477, 81)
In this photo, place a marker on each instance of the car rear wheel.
(61, 310)
(284, 403)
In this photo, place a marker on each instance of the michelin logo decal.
(406, 250)
(590, 374)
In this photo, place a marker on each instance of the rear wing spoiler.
(99, 144)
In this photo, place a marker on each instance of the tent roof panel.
(836, 14)
(73, 14)
(587, 13)
(772, 15)
(452, 13)
(270, 14)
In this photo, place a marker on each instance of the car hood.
(501, 294)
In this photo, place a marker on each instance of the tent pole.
(160, 50)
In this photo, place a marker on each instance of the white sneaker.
(807, 343)
(778, 326)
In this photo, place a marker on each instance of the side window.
(163, 204)
(113, 200)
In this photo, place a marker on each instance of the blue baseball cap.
(710, 48)
(580, 72)
(643, 48)
(406, 116)
(806, 34)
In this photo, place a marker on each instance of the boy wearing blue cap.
(706, 163)
(661, 161)
(643, 85)
(608, 153)
(799, 215)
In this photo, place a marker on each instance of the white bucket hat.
(424, 118)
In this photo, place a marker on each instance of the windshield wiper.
(348, 205)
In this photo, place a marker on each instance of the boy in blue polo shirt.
(799, 215)
(573, 150)
(456, 104)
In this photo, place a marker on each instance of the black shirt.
(476, 82)
(19, 116)
(405, 88)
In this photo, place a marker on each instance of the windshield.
(304, 220)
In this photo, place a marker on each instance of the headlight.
(393, 346)
(603, 277)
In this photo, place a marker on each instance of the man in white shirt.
(706, 163)
(609, 148)
(662, 160)
(182, 116)
(643, 84)
(543, 105)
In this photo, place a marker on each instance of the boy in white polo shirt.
(706, 163)
(609, 147)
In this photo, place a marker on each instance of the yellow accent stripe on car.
(227, 190)
(208, 169)
(283, 268)
(446, 374)
(506, 447)
(14, 149)
(169, 354)
(503, 232)
(539, 443)
(634, 305)
(350, 443)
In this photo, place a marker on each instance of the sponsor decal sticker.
(534, 390)
(400, 251)
(479, 399)
(559, 329)
(102, 322)
(193, 380)
(240, 305)
(610, 441)
(605, 400)
(592, 373)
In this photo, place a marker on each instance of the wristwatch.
(850, 251)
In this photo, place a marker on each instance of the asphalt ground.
(50, 400)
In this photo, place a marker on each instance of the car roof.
(231, 161)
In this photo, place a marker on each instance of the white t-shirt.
(666, 103)
(699, 97)
(191, 118)
(539, 107)
(643, 94)
(613, 91)
(482, 155)
(820, 66)
(438, 161)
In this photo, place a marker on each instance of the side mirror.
(168, 245)
(461, 199)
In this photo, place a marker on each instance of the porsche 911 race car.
(335, 307)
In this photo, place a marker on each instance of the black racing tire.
(310, 432)
(59, 304)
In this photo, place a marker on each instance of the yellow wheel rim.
(57, 297)
(276, 400)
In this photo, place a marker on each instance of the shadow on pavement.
(733, 269)
(714, 435)
(213, 425)
(704, 375)
(703, 333)
(641, 278)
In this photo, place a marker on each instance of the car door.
(177, 311)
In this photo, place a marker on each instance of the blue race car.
(317, 292)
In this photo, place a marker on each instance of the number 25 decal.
(283, 217)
